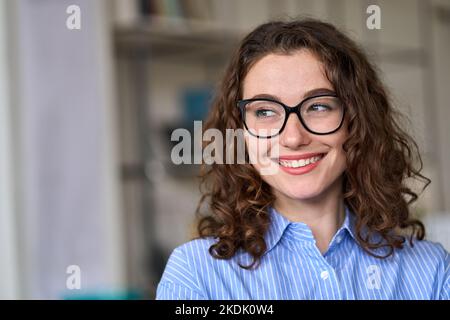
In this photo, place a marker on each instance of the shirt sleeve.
(445, 292)
(178, 281)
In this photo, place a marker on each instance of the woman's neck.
(323, 214)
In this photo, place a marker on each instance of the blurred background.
(86, 117)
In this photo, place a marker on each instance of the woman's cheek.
(261, 152)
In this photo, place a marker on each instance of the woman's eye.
(319, 108)
(263, 113)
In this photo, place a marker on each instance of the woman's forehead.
(285, 75)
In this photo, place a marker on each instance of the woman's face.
(290, 79)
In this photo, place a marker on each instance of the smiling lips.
(300, 164)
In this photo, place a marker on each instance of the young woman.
(333, 221)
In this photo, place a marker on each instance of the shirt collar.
(280, 227)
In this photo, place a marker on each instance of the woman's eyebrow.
(310, 93)
(265, 96)
(318, 91)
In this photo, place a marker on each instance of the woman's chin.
(301, 195)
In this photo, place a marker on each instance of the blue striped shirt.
(294, 268)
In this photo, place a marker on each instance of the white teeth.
(299, 163)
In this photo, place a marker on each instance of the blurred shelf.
(399, 55)
(175, 38)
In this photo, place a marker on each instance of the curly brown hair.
(380, 155)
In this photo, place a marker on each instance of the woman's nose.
(294, 134)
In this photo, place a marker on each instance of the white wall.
(9, 285)
(70, 212)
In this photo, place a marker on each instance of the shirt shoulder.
(432, 253)
(430, 260)
(196, 251)
(180, 279)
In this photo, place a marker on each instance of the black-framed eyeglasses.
(266, 118)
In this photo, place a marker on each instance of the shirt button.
(324, 275)
(339, 239)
